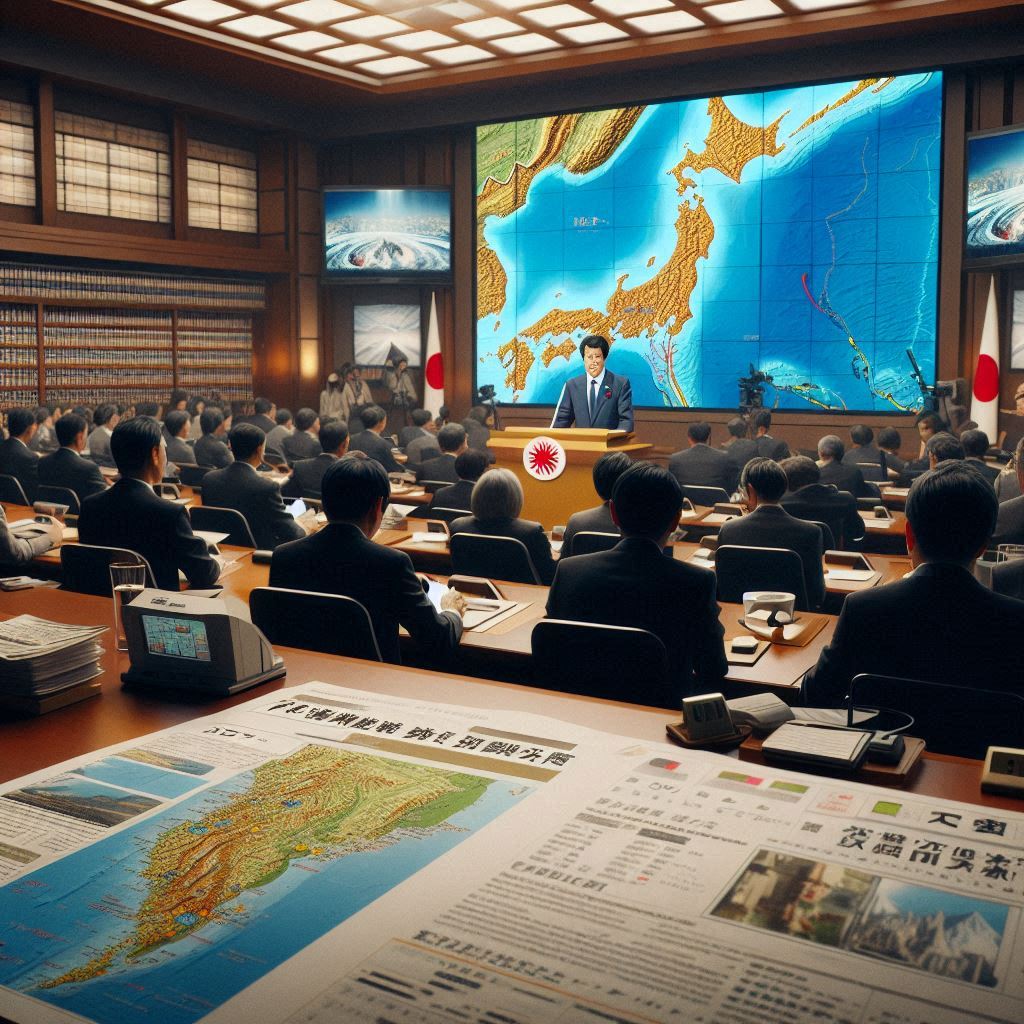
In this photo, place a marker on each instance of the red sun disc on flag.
(543, 458)
(986, 379)
(434, 372)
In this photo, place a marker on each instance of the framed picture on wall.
(1017, 331)
(386, 333)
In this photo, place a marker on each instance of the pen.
(479, 604)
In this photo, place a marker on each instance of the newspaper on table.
(326, 855)
(40, 658)
(26, 636)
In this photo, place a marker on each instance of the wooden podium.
(551, 502)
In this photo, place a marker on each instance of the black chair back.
(873, 472)
(433, 486)
(708, 496)
(589, 659)
(827, 534)
(223, 520)
(586, 542)
(60, 496)
(85, 568)
(447, 515)
(741, 568)
(496, 558)
(192, 476)
(960, 720)
(11, 490)
(327, 623)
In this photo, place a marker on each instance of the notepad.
(815, 745)
(850, 575)
(423, 537)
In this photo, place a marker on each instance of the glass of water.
(127, 581)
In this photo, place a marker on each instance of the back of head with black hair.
(305, 418)
(20, 420)
(800, 471)
(889, 439)
(147, 409)
(699, 432)
(594, 341)
(103, 413)
(262, 406)
(944, 447)
(737, 426)
(762, 418)
(245, 439)
(420, 417)
(647, 500)
(974, 443)
(372, 415)
(934, 420)
(451, 437)
(766, 477)
(952, 512)
(43, 413)
(607, 470)
(177, 395)
(68, 427)
(470, 465)
(210, 419)
(333, 435)
(132, 443)
(352, 487)
(861, 435)
(478, 413)
(283, 417)
(831, 447)
(175, 420)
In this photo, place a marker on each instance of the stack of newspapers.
(46, 665)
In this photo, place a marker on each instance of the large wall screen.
(795, 231)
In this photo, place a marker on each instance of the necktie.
(593, 399)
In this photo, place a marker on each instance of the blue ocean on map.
(832, 239)
(49, 921)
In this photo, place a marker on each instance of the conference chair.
(59, 496)
(167, 490)
(828, 536)
(707, 496)
(327, 623)
(433, 486)
(873, 472)
(192, 476)
(591, 659)
(586, 542)
(447, 515)
(960, 720)
(740, 568)
(85, 568)
(272, 457)
(498, 558)
(11, 490)
(211, 519)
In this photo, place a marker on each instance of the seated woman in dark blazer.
(496, 503)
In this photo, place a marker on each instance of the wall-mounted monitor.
(387, 235)
(995, 197)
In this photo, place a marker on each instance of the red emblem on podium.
(544, 458)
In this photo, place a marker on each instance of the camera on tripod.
(752, 389)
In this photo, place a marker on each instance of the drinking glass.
(127, 581)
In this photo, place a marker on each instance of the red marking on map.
(807, 291)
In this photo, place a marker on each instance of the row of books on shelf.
(131, 338)
(239, 359)
(65, 396)
(18, 335)
(214, 322)
(218, 339)
(10, 313)
(91, 377)
(19, 377)
(83, 316)
(153, 358)
(20, 355)
(48, 282)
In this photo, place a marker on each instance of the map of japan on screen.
(795, 231)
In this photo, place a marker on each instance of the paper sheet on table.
(394, 514)
(850, 575)
(211, 537)
(830, 716)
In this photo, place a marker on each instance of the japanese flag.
(985, 400)
(433, 370)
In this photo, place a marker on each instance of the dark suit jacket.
(299, 445)
(420, 448)
(340, 560)
(770, 526)
(1008, 578)
(824, 504)
(940, 625)
(614, 408)
(988, 472)
(265, 423)
(531, 534)
(99, 449)
(407, 434)
(740, 452)
(212, 451)
(704, 467)
(459, 495)
(847, 478)
(376, 448)
(634, 584)
(179, 452)
(867, 453)
(18, 460)
(595, 520)
(769, 447)
(129, 515)
(66, 468)
(441, 467)
(240, 487)
(477, 435)
(307, 476)
(1009, 523)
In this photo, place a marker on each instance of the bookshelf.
(83, 336)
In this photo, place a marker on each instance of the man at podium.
(597, 398)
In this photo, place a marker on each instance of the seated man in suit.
(807, 498)
(769, 525)
(702, 465)
(263, 415)
(342, 559)
(131, 515)
(177, 425)
(939, 623)
(304, 441)
(255, 495)
(469, 467)
(422, 448)
(832, 469)
(211, 449)
(496, 503)
(44, 440)
(105, 417)
(607, 470)
(16, 457)
(421, 425)
(928, 425)
(942, 447)
(307, 474)
(864, 449)
(370, 441)
(1009, 528)
(889, 442)
(284, 425)
(16, 551)
(451, 439)
(768, 447)
(975, 444)
(739, 447)
(66, 467)
(634, 584)
(598, 397)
